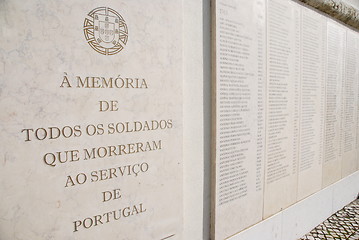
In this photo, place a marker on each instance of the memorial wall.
(285, 103)
(97, 99)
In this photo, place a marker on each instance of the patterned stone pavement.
(342, 225)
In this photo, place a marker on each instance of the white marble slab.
(313, 48)
(283, 99)
(194, 221)
(332, 134)
(65, 151)
(350, 104)
(239, 115)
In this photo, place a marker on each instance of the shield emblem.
(106, 30)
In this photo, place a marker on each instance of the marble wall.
(91, 120)
(286, 108)
(101, 122)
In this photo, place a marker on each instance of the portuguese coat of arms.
(105, 31)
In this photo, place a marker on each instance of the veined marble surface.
(91, 144)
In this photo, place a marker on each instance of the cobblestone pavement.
(342, 225)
